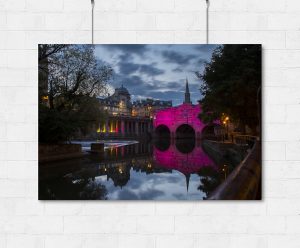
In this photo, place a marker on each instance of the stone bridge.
(179, 122)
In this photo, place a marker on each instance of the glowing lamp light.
(45, 98)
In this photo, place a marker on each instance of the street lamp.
(226, 123)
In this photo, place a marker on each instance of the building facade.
(126, 118)
(148, 107)
(118, 104)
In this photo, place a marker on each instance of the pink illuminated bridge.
(182, 119)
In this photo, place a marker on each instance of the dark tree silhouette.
(231, 85)
(70, 79)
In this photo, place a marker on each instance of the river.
(163, 170)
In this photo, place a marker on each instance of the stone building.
(118, 104)
(148, 107)
(127, 119)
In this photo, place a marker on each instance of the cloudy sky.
(156, 71)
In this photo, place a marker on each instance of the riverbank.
(244, 182)
(56, 152)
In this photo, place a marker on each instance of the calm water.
(143, 171)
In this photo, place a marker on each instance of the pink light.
(176, 116)
(185, 163)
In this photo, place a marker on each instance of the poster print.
(149, 122)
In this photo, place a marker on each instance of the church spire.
(187, 181)
(187, 97)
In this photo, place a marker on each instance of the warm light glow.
(111, 128)
(101, 130)
(134, 112)
(120, 171)
(45, 98)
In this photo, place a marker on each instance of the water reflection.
(167, 170)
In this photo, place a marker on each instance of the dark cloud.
(127, 68)
(130, 82)
(151, 70)
(205, 48)
(174, 180)
(177, 58)
(179, 196)
(175, 85)
(143, 89)
(157, 71)
(130, 48)
(138, 87)
(127, 195)
(135, 81)
(151, 194)
(125, 57)
(201, 61)
(135, 85)
(177, 69)
(173, 95)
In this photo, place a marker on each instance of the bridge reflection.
(117, 167)
(185, 156)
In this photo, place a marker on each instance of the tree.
(75, 72)
(231, 82)
(44, 52)
(74, 77)
(210, 179)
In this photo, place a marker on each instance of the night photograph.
(149, 122)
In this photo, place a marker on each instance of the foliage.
(57, 125)
(231, 84)
(210, 179)
(70, 79)
(65, 189)
(54, 125)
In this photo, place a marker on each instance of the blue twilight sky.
(156, 71)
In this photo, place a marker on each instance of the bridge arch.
(185, 131)
(162, 131)
(185, 146)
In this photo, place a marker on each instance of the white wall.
(272, 222)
